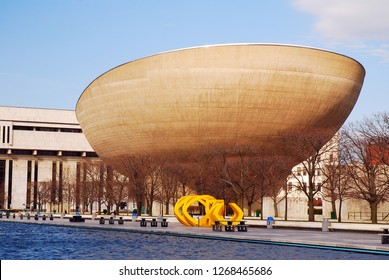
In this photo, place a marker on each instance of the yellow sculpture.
(214, 211)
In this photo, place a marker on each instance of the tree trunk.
(275, 207)
(249, 209)
(99, 206)
(166, 208)
(340, 211)
(333, 205)
(150, 208)
(373, 211)
(139, 205)
(262, 207)
(311, 207)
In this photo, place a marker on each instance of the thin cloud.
(380, 51)
(343, 20)
(351, 22)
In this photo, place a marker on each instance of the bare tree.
(119, 189)
(169, 188)
(44, 190)
(69, 187)
(238, 168)
(153, 170)
(133, 167)
(337, 186)
(109, 192)
(275, 173)
(366, 162)
(309, 148)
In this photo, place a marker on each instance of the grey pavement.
(343, 235)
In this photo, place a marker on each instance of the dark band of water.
(22, 241)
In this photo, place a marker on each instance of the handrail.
(381, 216)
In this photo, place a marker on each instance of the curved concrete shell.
(184, 100)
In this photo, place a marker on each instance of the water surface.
(25, 241)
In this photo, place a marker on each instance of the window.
(47, 153)
(71, 130)
(71, 154)
(20, 127)
(48, 129)
(22, 152)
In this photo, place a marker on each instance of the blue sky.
(50, 50)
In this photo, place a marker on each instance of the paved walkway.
(351, 236)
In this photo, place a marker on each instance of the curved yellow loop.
(177, 210)
(238, 213)
(188, 217)
(214, 210)
(217, 212)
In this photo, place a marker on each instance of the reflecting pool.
(25, 241)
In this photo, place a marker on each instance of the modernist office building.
(38, 145)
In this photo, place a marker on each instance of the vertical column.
(2, 184)
(84, 189)
(35, 185)
(29, 183)
(60, 186)
(3, 134)
(78, 183)
(10, 172)
(53, 184)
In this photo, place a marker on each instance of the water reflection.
(34, 241)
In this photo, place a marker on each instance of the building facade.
(36, 146)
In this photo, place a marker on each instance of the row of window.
(304, 172)
(316, 186)
(47, 153)
(47, 129)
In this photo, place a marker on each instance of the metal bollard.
(111, 221)
(102, 221)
